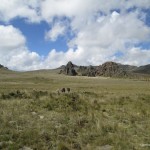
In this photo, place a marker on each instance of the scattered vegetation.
(97, 114)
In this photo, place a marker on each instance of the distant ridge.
(108, 69)
(143, 69)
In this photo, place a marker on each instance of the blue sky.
(37, 34)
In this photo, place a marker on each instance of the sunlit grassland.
(98, 113)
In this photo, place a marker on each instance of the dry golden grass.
(99, 113)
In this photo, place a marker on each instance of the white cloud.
(57, 30)
(35, 10)
(99, 37)
(13, 51)
(100, 40)
(24, 60)
(10, 38)
(10, 9)
(135, 56)
(99, 32)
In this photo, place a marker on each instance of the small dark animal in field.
(62, 90)
(68, 90)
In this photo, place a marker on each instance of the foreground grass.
(97, 114)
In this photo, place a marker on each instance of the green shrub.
(37, 94)
(14, 94)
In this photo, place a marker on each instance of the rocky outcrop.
(89, 71)
(110, 69)
(69, 69)
(2, 67)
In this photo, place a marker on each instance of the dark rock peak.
(69, 69)
(70, 64)
(110, 64)
(2, 67)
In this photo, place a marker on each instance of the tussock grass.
(96, 114)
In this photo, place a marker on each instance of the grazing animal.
(68, 90)
(62, 90)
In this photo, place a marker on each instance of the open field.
(98, 114)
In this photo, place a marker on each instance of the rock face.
(110, 69)
(89, 71)
(69, 69)
(2, 67)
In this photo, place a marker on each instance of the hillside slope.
(143, 69)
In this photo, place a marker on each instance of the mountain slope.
(143, 69)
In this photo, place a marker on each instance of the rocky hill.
(3, 68)
(108, 69)
(111, 69)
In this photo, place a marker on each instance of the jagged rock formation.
(91, 71)
(69, 69)
(87, 71)
(108, 69)
(2, 67)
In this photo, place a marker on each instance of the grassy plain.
(98, 114)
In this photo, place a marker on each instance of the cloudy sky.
(43, 34)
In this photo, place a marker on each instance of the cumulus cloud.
(136, 56)
(101, 39)
(35, 10)
(28, 9)
(101, 29)
(13, 51)
(10, 38)
(57, 30)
